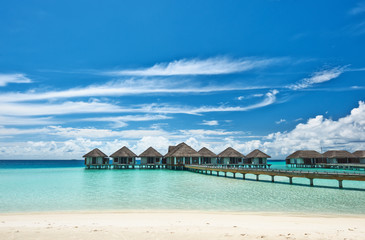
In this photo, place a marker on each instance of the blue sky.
(274, 75)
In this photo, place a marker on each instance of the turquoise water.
(64, 186)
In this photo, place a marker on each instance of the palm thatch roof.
(230, 152)
(359, 154)
(95, 153)
(338, 154)
(205, 152)
(171, 148)
(257, 154)
(124, 152)
(305, 154)
(150, 152)
(182, 150)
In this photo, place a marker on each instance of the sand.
(179, 225)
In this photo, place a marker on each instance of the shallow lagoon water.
(71, 187)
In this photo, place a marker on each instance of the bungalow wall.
(96, 161)
(150, 160)
(361, 160)
(208, 160)
(257, 161)
(124, 160)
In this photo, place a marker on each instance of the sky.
(275, 75)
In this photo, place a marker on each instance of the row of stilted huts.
(182, 154)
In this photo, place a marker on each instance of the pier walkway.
(277, 172)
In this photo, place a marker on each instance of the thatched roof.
(150, 152)
(124, 152)
(182, 150)
(95, 153)
(305, 154)
(230, 152)
(205, 152)
(359, 154)
(171, 148)
(338, 154)
(257, 154)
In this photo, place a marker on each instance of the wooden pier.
(345, 166)
(311, 175)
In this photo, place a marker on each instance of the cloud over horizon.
(209, 66)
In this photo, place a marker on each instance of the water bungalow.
(256, 157)
(180, 155)
(151, 158)
(340, 156)
(230, 156)
(304, 158)
(207, 157)
(123, 158)
(96, 159)
(360, 155)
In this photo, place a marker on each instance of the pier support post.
(217, 173)
(211, 172)
(257, 177)
(243, 176)
(272, 178)
(234, 175)
(340, 184)
(225, 174)
(311, 182)
(291, 180)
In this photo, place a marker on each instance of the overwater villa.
(207, 156)
(151, 158)
(340, 156)
(96, 158)
(181, 154)
(304, 158)
(360, 155)
(256, 157)
(230, 156)
(123, 158)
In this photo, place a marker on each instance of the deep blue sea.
(42, 185)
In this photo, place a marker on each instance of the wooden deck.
(278, 172)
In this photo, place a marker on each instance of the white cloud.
(124, 88)
(360, 8)
(26, 109)
(250, 96)
(204, 132)
(121, 121)
(280, 121)
(13, 78)
(25, 121)
(210, 123)
(210, 66)
(318, 77)
(345, 133)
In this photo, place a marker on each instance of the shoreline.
(175, 224)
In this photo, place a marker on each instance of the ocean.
(41, 185)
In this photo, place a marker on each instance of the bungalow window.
(115, 160)
(207, 160)
(150, 160)
(130, 160)
(93, 161)
(123, 160)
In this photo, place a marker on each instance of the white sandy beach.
(179, 225)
